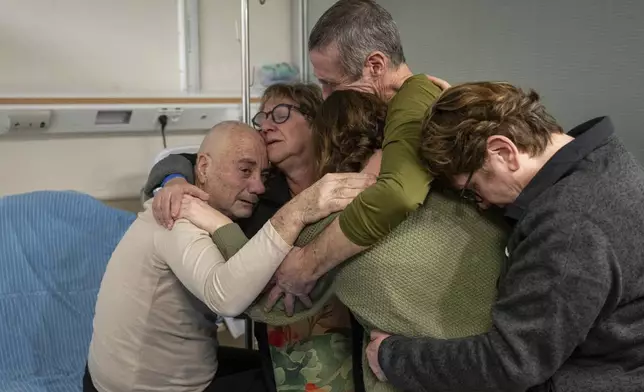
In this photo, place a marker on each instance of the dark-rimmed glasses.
(470, 194)
(280, 114)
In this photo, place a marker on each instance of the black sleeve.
(182, 164)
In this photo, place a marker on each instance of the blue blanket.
(54, 247)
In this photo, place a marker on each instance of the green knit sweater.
(434, 275)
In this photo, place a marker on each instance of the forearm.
(328, 250)
(229, 239)
(287, 222)
(382, 207)
(238, 282)
(413, 364)
(227, 288)
(403, 182)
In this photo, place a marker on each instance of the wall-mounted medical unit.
(81, 118)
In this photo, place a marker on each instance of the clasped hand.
(291, 281)
(295, 276)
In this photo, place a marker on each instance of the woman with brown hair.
(347, 132)
(434, 275)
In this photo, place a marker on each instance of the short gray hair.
(358, 28)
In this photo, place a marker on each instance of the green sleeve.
(403, 182)
(229, 239)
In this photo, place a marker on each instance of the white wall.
(122, 48)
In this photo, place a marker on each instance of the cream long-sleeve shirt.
(154, 323)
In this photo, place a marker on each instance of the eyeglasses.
(470, 194)
(280, 114)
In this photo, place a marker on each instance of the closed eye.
(265, 174)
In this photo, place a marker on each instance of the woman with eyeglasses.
(285, 122)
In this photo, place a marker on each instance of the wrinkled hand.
(372, 354)
(167, 201)
(201, 214)
(330, 194)
(443, 85)
(292, 281)
(269, 286)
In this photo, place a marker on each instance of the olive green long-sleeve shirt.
(403, 182)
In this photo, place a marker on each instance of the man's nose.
(256, 186)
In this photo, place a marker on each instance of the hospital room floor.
(134, 205)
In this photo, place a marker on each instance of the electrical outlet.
(174, 114)
(29, 120)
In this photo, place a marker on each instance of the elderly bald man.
(154, 327)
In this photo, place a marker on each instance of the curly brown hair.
(307, 96)
(347, 130)
(457, 126)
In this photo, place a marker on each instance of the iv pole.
(245, 79)
(245, 109)
(245, 62)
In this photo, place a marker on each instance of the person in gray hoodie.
(570, 309)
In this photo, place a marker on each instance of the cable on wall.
(163, 120)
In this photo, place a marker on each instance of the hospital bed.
(54, 247)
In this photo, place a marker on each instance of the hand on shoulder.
(167, 201)
(442, 84)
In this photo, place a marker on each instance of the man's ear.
(203, 164)
(504, 150)
(376, 64)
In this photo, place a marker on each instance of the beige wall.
(116, 48)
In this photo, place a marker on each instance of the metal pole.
(245, 62)
(192, 46)
(304, 33)
(245, 77)
(188, 30)
(183, 54)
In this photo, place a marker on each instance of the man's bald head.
(220, 136)
(231, 164)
